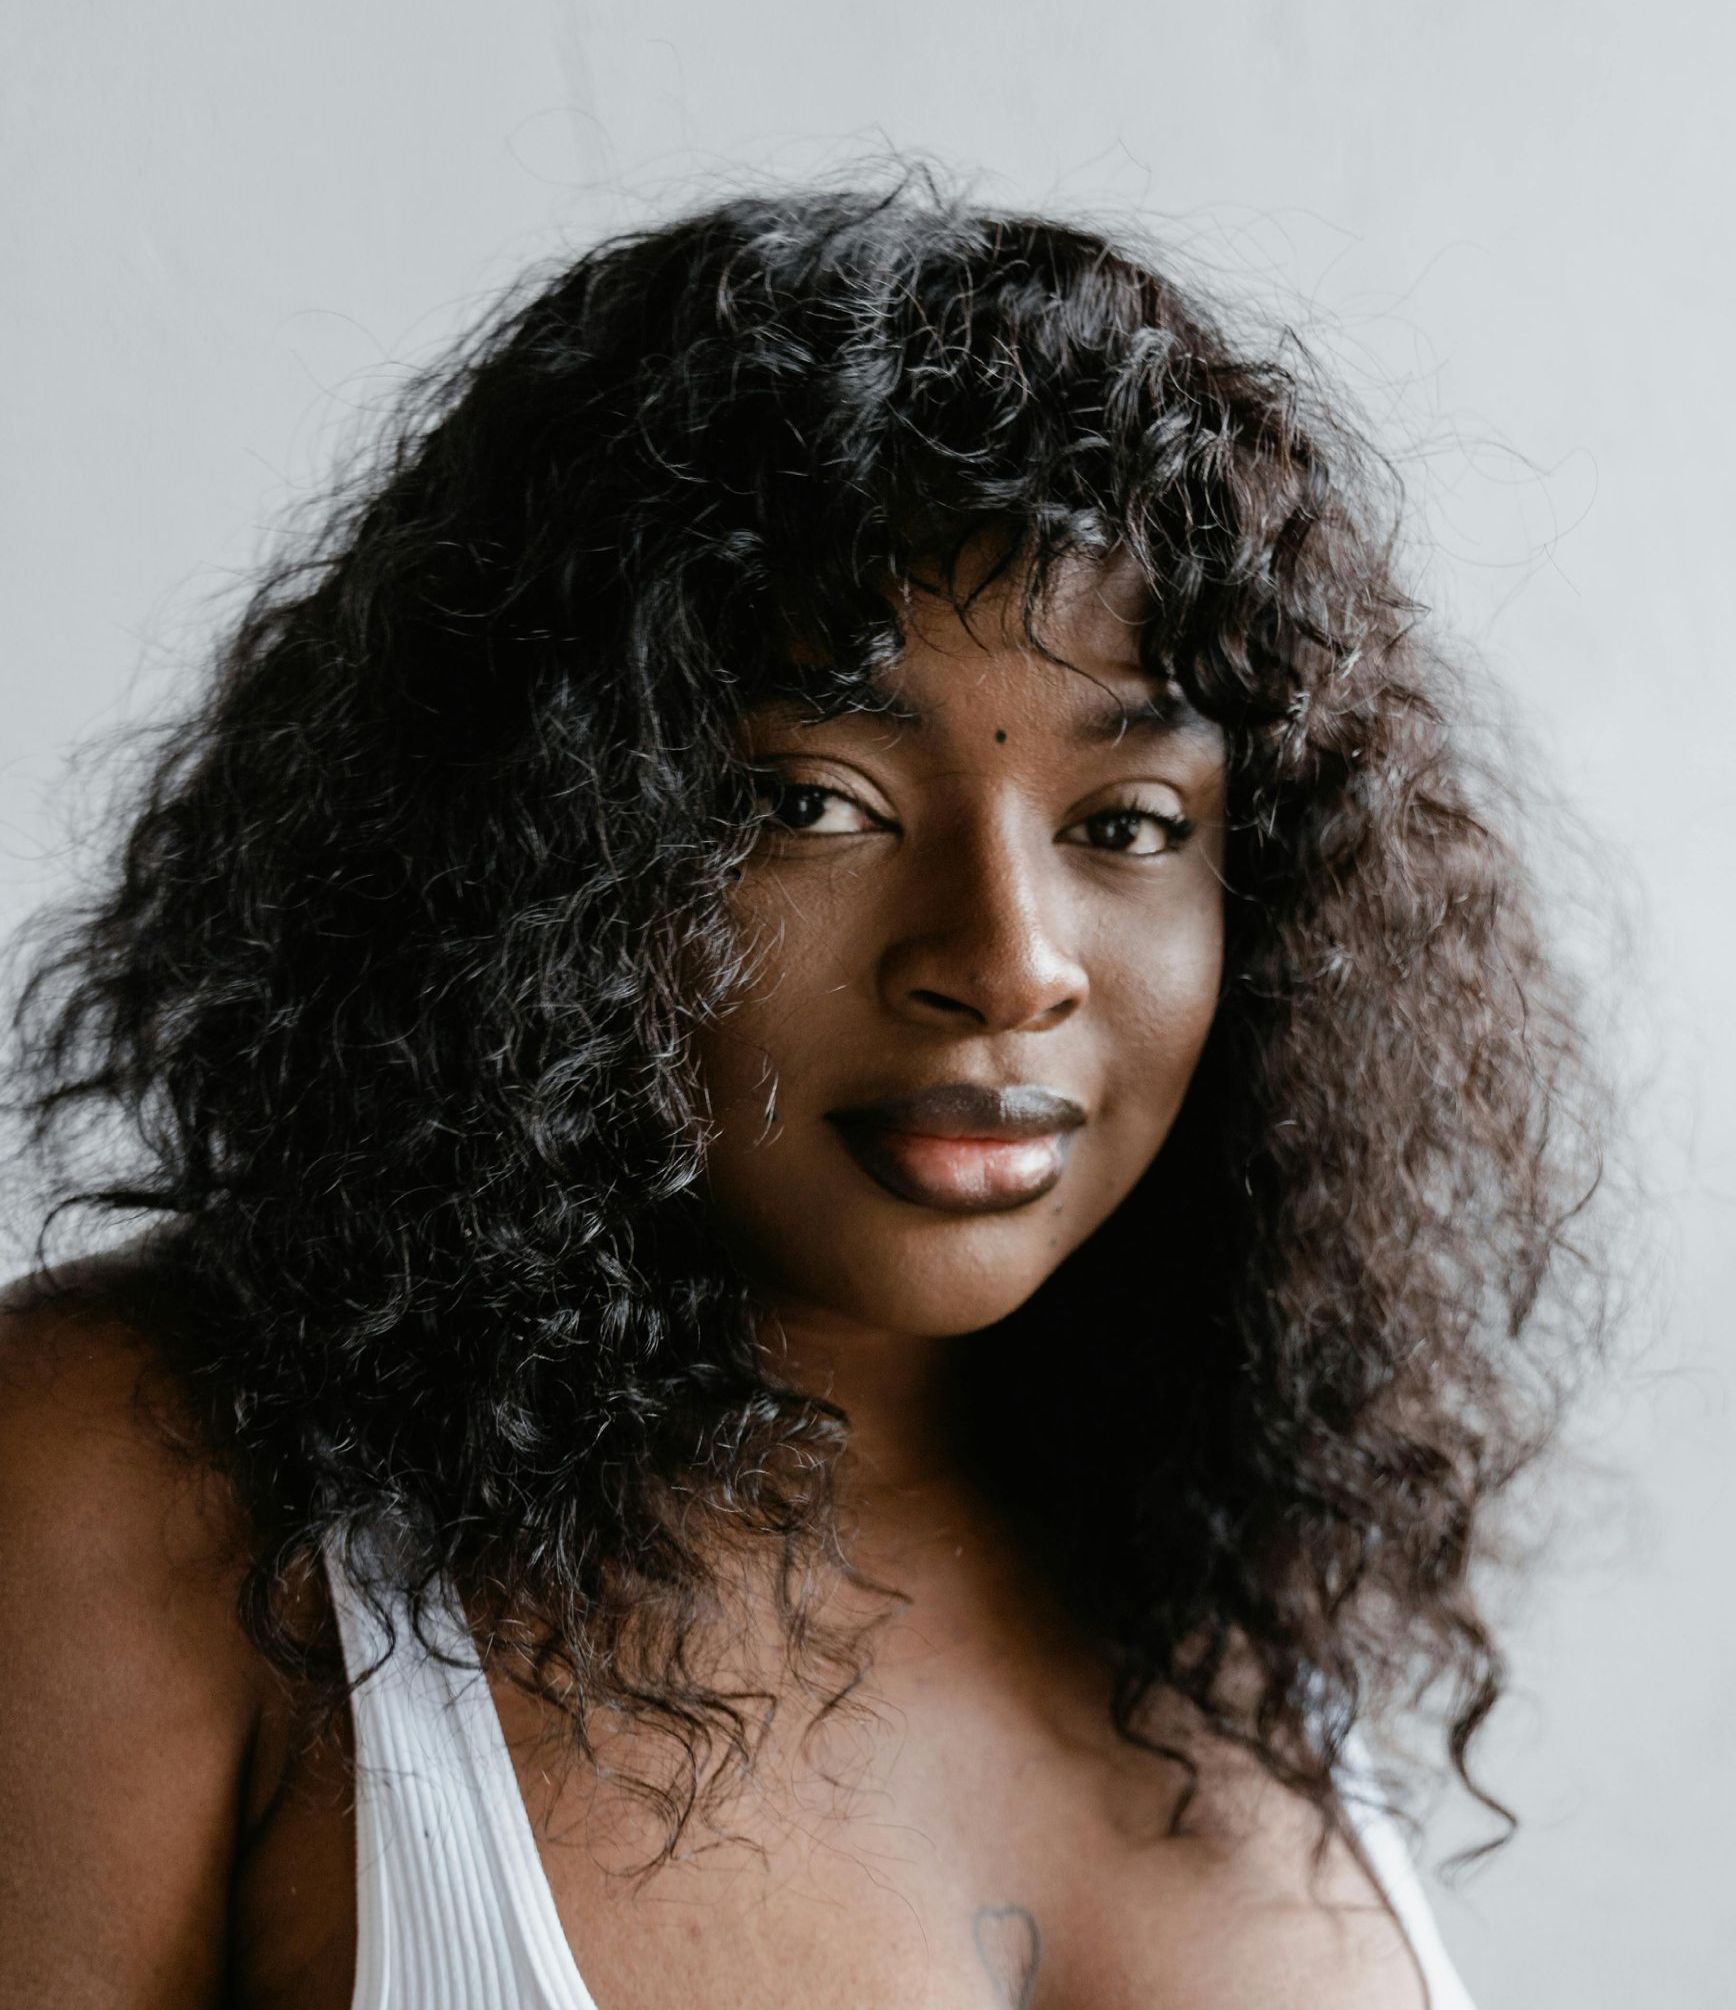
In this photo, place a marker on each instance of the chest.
(883, 1917)
(923, 1851)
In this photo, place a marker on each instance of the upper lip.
(968, 1110)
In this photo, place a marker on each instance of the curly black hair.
(396, 981)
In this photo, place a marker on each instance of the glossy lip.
(963, 1148)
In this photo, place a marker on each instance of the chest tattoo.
(1009, 1944)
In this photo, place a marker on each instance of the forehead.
(1069, 665)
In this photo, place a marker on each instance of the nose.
(983, 933)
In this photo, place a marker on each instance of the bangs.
(995, 577)
(888, 405)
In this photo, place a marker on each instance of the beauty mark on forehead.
(1156, 713)
(1159, 713)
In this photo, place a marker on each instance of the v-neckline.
(1369, 1834)
(1379, 1849)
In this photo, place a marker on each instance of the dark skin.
(1005, 894)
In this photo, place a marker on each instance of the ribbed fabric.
(453, 1907)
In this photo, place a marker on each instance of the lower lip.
(959, 1175)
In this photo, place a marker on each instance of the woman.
(834, 1070)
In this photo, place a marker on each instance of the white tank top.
(453, 1907)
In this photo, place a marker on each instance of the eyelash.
(1176, 828)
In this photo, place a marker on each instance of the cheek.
(758, 1064)
(748, 1072)
(749, 1061)
(1156, 996)
(795, 957)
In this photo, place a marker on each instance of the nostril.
(941, 1002)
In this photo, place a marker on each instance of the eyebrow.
(1156, 714)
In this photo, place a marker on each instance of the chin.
(932, 1291)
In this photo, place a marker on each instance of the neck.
(911, 1514)
(909, 1507)
(891, 1386)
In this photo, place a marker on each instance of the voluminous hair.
(396, 981)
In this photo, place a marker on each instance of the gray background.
(227, 227)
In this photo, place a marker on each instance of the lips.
(963, 1148)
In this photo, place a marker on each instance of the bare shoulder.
(107, 1503)
(131, 1695)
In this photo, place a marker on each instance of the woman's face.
(989, 952)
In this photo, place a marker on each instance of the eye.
(809, 809)
(1135, 830)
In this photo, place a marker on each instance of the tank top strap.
(1389, 1862)
(453, 1906)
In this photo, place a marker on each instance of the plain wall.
(226, 226)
